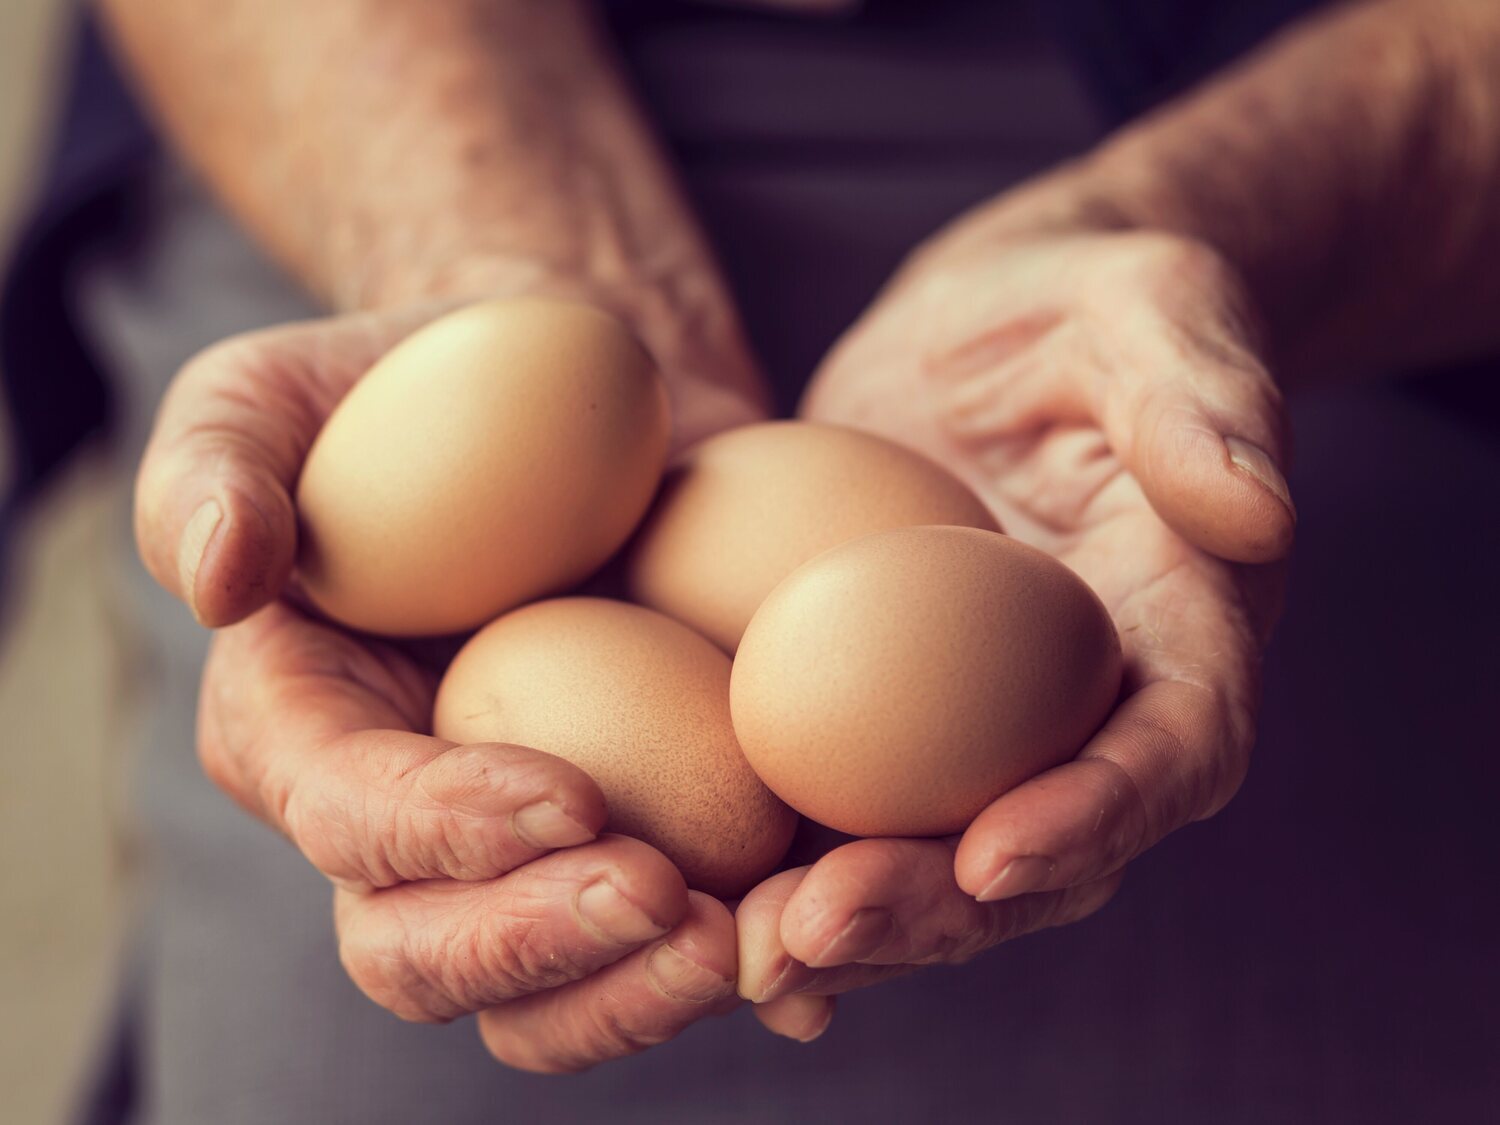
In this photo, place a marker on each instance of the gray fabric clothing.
(1315, 954)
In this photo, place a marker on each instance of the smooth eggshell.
(743, 509)
(900, 682)
(499, 454)
(641, 704)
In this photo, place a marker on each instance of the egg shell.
(741, 510)
(499, 454)
(900, 682)
(641, 704)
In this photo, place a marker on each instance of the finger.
(845, 978)
(1197, 418)
(433, 951)
(799, 1016)
(896, 902)
(1010, 375)
(766, 968)
(1171, 753)
(638, 1002)
(312, 732)
(1157, 351)
(1034, 912)
(214, 517)
(768, 973)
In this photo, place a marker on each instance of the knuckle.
(1043, 912)
(218, 373)
(1211, 753)
(575, 1039)
(1125, 825)
(443, 812)
(962, 947)
(1059, 908)
(1196, 748)
(446, 967)
(1016, 917)
(320, 822)
(378, 961)
(488, 779)
(242, 376)
(527, 1052)
(436, 969)
(1030, 914)
(467, 963)
(469, 774)
(612, 1033)
(363, 827)
(383, 830)
(522, 960)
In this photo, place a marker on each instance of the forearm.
(1350, 170)
(385, 150)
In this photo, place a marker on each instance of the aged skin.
(1327, 208)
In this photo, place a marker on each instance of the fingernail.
(545, 825)
(1257, 462)
(191, 547)
(780, 975)
(682, 978)
(864, 934)
(1020, 876)
(603, 908)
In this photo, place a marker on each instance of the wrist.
(1275, 281)
(1346, 173)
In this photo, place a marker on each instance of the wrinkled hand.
(468, 878)
(1102, 393)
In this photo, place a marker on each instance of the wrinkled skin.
(1083, 384)
(467, 878)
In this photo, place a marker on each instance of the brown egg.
(501, 453)
(745, 508)
(900, 682)
(641, 704)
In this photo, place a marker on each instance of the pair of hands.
(1100, 392)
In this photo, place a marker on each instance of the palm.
(996, 385)
(1062, 489)
(1088, 388)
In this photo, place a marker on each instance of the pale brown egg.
(499, 454)
(641, 704)
(900, 682)
(743, 509)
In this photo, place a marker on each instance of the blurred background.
(1355, 903)
(64, 709)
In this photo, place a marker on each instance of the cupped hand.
(469, 878)
(1102, 392)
